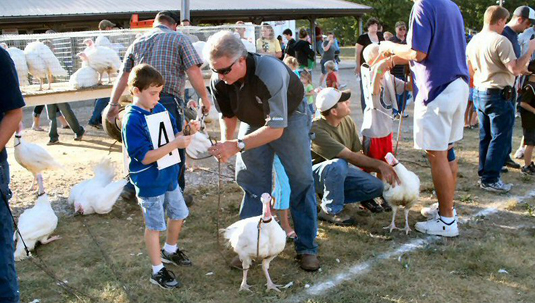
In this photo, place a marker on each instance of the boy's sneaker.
(437, 227)
(528, 170)
(176, 258)
(165, 279)
(431, 212)
(497, 187)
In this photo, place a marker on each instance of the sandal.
(38, 129)
(291, 236)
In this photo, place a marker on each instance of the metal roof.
(23, 11)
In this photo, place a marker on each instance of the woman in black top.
(372, 36)
(303, 50)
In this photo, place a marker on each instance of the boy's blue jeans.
(496, 121)
(9, 287)
(340, 184)
(254, 175)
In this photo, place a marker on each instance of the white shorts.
(442, 121)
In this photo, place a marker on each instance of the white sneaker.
(437, 227)
(431, 212)
(519, 154)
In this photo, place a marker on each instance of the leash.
(42, 265)
(218, 240)
(404, 103)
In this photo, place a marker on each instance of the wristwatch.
(241, 145)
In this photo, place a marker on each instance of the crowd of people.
(267, 101)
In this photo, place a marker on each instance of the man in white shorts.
(436, 48)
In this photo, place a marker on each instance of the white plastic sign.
(161, 133)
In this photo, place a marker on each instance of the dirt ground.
(104, 257)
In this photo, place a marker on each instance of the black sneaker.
(53, 142)
(177, 258)
(511, 163)
(165, 279)
(381, 201)
(189, 200)
(371, 206)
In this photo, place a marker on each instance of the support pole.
(184, 10)
(313, 33)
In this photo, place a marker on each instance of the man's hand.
(207, 105)
(224, 151)
(389, 174)
(113, 112)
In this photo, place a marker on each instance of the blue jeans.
(402, 97)
(341, 184)
(254, 175)
(96, 117)
(67, 112)
(496, 120)
(9, 287)
(175, 106)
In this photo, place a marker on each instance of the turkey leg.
(245, 265)
(393, 223)
(407, 229)
(265, 268)
(51, 239)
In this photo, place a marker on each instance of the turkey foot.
(51, 239)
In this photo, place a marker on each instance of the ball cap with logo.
(329, 96)
(525, 12)
(104, 24)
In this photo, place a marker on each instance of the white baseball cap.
(525, 12)
(329, 96)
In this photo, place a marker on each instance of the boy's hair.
(287, 32)
(303, 33)
(291, 62)
(330, 65)
(144, 76)
(370, 52)
(495, 13)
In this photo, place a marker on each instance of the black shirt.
(399, 70)
(290, 48)
(528, 118)
(365, 40)
(9, 86)
(269, 94)
(303, 52)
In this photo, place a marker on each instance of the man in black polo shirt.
(267, 97)
(289, 50)
(11, 104)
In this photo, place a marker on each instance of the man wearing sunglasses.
(268, 99)
(399, 71)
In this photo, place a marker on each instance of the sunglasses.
(402, 29)
(225, 71)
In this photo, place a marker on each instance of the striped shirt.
(170, 52)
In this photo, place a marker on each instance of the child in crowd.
(380, 97)
(157, 189)
(332, 76)
(527, 114)
(306, 79)
(292, 63)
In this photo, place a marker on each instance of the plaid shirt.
(170, 52)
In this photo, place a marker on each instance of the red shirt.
(332, 80)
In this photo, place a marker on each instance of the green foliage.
(391, 11)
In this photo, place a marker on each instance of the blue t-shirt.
(148, 180)
(11, 97)
(512, 36)
(437, 29)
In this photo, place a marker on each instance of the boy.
(380, 94)
(157, 190)
(332, 77)
(527, 114)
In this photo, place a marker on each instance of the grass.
(464, 269)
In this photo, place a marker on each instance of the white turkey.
(36, 224)
(405, 194)
(33, 157)
(42, 63)
(102, 59)
(198, 148)
(199, 46)
(243, 237)
(84, 77)
(19, 58)
(98, 194)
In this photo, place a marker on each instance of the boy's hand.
(182, 141)
(195, 126)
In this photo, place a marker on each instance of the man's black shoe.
(165, 279)
(129, 195)
(382, 202)
(176, 258)
(341, 219)
(372, 206)
(511, 163)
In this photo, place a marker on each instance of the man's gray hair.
(224, 44)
